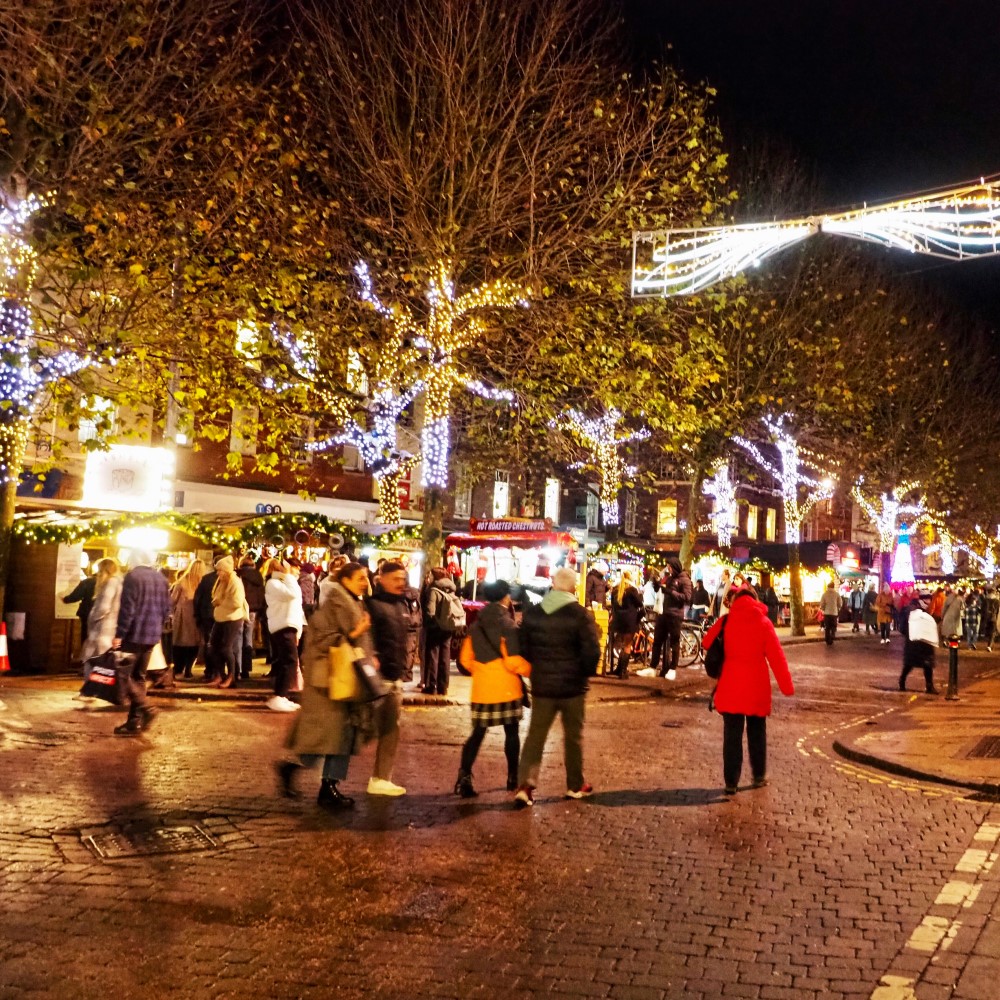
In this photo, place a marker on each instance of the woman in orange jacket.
(491, 654)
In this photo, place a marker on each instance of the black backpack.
(715, 655)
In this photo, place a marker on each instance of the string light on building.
(884, 510)
(791, 477)
(602, 439)
(955, 224)
(723, 490)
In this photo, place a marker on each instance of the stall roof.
(510, 539)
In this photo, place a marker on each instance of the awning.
(513, 539)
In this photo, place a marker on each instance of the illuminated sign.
(508, 524)
(129, 477)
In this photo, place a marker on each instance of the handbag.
(344, 684)
(715, 655)
(106, 678)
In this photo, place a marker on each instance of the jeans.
(732, 746)
(387, 711)
(135, 682)
(511, 747)
(971, 630)
(334, 765)
(856, 618)
(668, 628)
(543, 714)
(884, 629)
(225, 648)
(829, 628)
(285, 659)
(246, 654)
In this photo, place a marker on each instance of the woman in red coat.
(744, 689)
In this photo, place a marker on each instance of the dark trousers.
(543, 714)
(856, 618)
(668, 629)
(285, 661)
(135, 682)
(511, 747)
(436, 663)
(732, 746)
(918, 654)
(225, 648)
(829, 628)
(884, 629)
(184, 657)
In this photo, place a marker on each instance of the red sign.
(403, 492)
(508, 525)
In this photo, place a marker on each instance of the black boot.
(512, 782)
(463, 785)
(287, 770)
(246, 662)
(331, 797)
(622, 670)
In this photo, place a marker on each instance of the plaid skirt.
(496, 715)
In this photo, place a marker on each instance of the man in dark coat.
(677, 590)
(559, 639)
(204, 616)
(388, 610)
(253, 587)
(84, 593)
(596, 591)
(142, 614)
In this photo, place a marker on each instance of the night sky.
(879, 99)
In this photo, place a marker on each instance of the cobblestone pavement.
(834, 881)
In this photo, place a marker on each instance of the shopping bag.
(107, 674)
(157, 661)
(371, 684)
(344, 683)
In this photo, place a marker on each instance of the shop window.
(553, 494)
(666, 517)
(501, 493)
(752, 523)
(593, 506)
(243, 430)
(351, 459)
(631, 512)
(99, 418)
(771, 525)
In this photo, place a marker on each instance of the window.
(553, 494)
(666, 517)
(593, 506)
(98, 418)
(298, 441)
(351, 459)
(501, 493)
(243, 430)
(631, 512)
(771, 525)
(752, 523)
(463, 492)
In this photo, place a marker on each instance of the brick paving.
(657, 887)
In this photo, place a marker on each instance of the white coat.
(284, 603)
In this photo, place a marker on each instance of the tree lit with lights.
(722, 489)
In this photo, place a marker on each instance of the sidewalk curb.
(261, 697)
(902, 771)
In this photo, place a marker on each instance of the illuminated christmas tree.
(901, 576)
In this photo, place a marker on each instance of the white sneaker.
(279, 704)
(671, 675)
(379, 786)
(646, 672)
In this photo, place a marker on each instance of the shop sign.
(403, 492)
(268, 508)
(129, 477)
(67, 577)
(850, 560)
(508, 525)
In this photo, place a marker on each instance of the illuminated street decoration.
(884, 510)
(25, 372)
(945, 548)
(982, 550)
(603, 441)
(790, 476)
(723, 490)
(901, 575)
(956, 224)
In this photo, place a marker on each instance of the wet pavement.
(167, 866)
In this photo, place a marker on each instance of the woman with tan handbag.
(327, 729)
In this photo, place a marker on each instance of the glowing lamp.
(145, 538)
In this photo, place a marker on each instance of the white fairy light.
(601, 437)
(955, 224)
(982, 551)
(723, 490)
(884, 510)
(945, 549)
(790, 476)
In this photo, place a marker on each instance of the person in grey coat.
(951, 614)
(327, 730)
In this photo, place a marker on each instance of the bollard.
(952, 694)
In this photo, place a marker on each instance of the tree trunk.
(690, 536)
(885, 565)
(795, 590)
(388, 498)
(433, 532)
(13, 442)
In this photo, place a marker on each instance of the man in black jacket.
(559, 639)
(677, 591)
(390, 617)
(253, 587)
(204, 616)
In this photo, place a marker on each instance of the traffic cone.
(4, 658)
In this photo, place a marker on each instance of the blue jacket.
(145, 606)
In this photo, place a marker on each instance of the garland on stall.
(624, 553)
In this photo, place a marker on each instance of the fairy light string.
(723, 490)
(883, 510)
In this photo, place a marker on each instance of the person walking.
(972, 618)
(142, 613)
(992, 609)
(700, 602)
(677, 595)
(102, 622)
(596, 588)
(491, 654)
(186, 633)
(936, 607)
(720, 604)
(83, 594)
(868, 611)
(829, 606)
(920, 638)
(286, 618)
(743, 694)
(204, 615)
(326, 730)
(951, 614)
(253, 587)
(559, 639)
(857, 603)
(229, 612)
(884, 612)
(441, 620)
(626, 613)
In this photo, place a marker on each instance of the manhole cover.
(988, 746)
(161, 840)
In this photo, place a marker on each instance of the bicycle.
(692, 635)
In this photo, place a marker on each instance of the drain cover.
(160, 840)
(988, 746)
